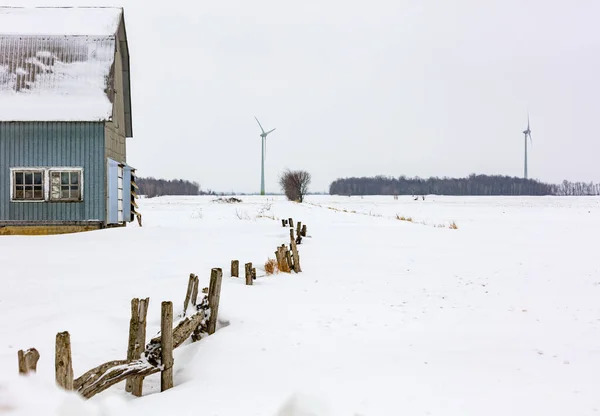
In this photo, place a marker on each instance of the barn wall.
(115, 129)
(48, 144)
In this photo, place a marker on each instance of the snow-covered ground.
(498, 317)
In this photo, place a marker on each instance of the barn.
(65, 117)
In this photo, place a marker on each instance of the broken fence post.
(137, 341)
(214, 295)
(28, 360)
(235, 268)
(291, 223)
(63, 363)
(188, 293)
(254, 273)
(283, 223)
(303, 230)
(248, 270)
(166, 346)
(296, 257)
(299, 228)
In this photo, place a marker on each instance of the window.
(28, 185)
(41, 184)
(65, 185)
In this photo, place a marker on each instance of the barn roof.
(56, 64)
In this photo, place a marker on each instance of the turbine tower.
(527, 133)
(263, 135)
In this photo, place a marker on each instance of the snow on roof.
(47, 76)
(59, 21)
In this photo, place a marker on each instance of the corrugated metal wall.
(49, 144)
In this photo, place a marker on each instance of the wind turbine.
(527, 133)
(263, 155)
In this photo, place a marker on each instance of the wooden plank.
(63, 363)
(188, 293)
(214, 296)
(194, 299)
(166, 341)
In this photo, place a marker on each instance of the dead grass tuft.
(403, 218)
(270, 266)
(453, 226)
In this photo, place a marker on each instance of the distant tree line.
(152, 187)
(471, 185)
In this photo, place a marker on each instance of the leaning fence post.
(188, 293)
(63, 363)
(248, 267)
(235, 268)
(137, 341)
(166, 346)
(296, 256)
(214, 295)
(195, 291)
(28, 360)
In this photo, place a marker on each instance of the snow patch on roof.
(60, 21)
(56, 78)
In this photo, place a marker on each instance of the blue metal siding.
(50, 144)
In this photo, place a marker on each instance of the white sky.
(359, 88)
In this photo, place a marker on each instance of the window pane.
(55, 178)
(64, 178)
(74, 178)
(29, 192)
(37, 192)
(75, 193)
(28, 178)
(64, 193)
(37, 178)
(19, 194)
(19, 178)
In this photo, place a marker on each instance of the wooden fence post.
(214, 295)
(291, 223)
(63, 363)
(304, 230)
(296, 257)
(254, 273)
(235, 268)
(299, 228)
(166, 346)
(248, 274)
(288, 259)
(28, 360)
(292, 234)
(282, 222)
(137, 341)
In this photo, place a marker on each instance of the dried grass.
(403, 218)
(271, 266)
(453, 226)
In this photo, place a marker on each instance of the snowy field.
(498, 317)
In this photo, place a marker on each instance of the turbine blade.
(263, 130)
(528, 120)
(270, 131)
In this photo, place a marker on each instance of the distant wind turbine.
(527, 133)
(263, 155)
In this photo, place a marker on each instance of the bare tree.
(294, 184)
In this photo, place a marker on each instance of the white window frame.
(27, 169)
(46, 182)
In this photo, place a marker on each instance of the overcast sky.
(360, 88)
